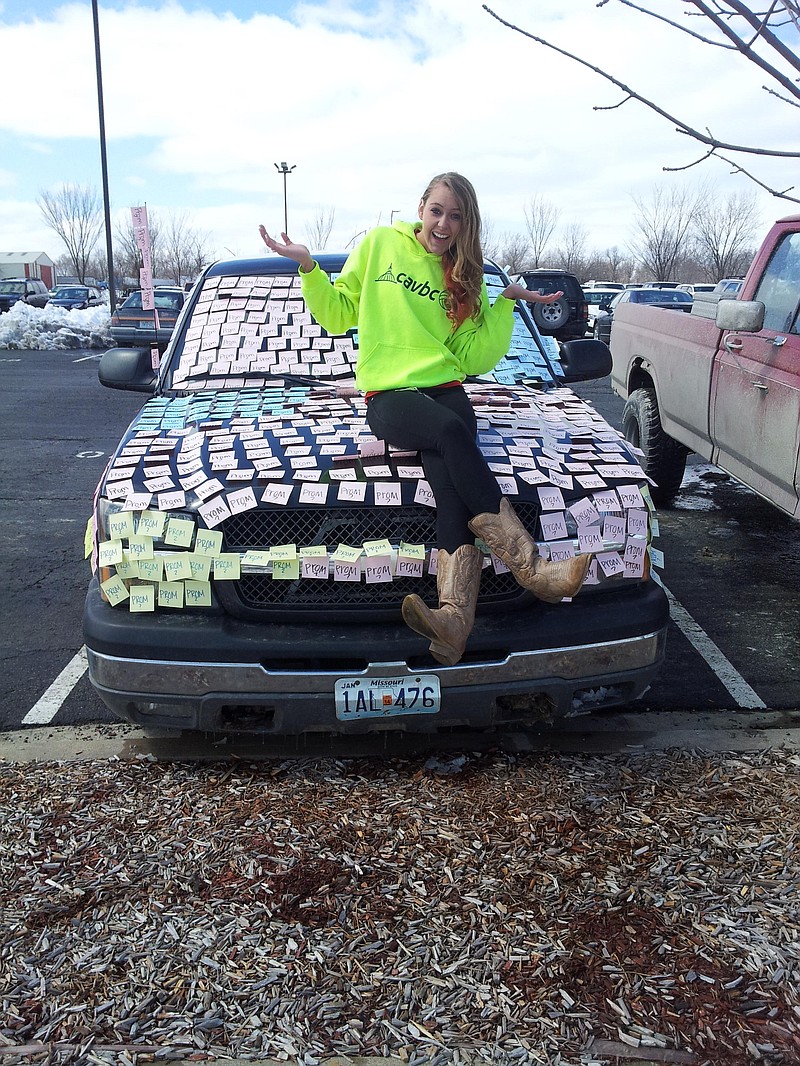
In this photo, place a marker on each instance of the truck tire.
(664, 458)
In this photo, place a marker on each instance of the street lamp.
(112, 285)
(284, 169)
(395, 211)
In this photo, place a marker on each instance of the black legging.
(440, 423)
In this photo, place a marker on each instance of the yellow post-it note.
(170, 594)
(198, 593)
(179, 532)
(346, 554)
(151, 523)
(208, 542)
(128, 568)
(314, 549)
(200, 565)
(256, 558)
(109, 552)
(227, 567)
(411, 551)
(115, 589)
(121, 524)
(88, 537)
(177, 567)
(373, 548)
(142, 598)
(151, 569)
(283, 553)
(285, 569)
(140, 547)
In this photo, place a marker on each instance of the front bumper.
(212, 672)
(131, 337)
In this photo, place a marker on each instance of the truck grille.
(259, 529)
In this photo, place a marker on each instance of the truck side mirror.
(742, 316)
(127, 368)
(585, 360)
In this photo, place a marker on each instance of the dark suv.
(566, 318)
(31, 291)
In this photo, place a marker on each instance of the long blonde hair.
(462, 263)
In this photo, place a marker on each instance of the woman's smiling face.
(441, 220)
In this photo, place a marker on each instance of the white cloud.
(200, 105)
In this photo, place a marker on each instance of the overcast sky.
(367, 100)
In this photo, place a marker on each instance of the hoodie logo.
(419, 288)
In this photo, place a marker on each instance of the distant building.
(28, 265)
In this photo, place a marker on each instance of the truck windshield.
(246, 329)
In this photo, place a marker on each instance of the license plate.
(383, 697)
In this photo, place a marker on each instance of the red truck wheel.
(664, 459)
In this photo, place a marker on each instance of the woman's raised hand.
(517, 291)
(298, 252)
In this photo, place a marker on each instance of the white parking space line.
(85, 358)
(730, 677)
(46, 707)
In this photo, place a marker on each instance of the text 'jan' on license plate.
(380, 697)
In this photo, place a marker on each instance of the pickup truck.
(727, 387)
(252, 542)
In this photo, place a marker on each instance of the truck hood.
(296, 445)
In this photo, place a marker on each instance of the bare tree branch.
(680, 126)
(741, 46)
(677, 26)
(721, 15)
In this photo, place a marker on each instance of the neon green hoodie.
(393, 290)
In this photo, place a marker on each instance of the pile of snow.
(46, 328)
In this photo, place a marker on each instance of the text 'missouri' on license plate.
(380, 697)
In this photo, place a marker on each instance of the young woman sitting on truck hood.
(417, 294)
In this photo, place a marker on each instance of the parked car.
(675, 298)
(29, 290)
(566, 318)
(132, 326)
(596, 297)
(728, 288)
(695, 288)
(617, 286)
(705, 303)
(253, 541)
(76, 297)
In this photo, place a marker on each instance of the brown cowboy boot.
(511, 542)
(458, 578)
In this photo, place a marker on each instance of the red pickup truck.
(726, 388)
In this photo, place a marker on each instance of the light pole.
(284, 169)
(112, 287)
(395, 211)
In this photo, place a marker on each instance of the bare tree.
(724, 232)
(541, 218)
(759, 38)
(514, 252)
(75, 214)
(181, 249)
(611, 265)
(489, 242)
(321, 226)
(571, 253)
(663, 227)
